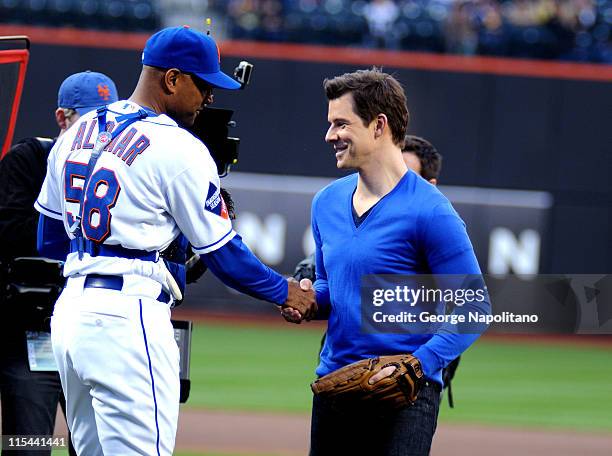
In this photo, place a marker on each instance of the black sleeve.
(22, 172)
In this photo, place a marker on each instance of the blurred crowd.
(563, 29)
(567, 29)
(128, 15)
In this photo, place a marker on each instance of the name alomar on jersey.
(118, 146)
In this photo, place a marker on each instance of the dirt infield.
(253, 433)
(287, 435)
(271, 434)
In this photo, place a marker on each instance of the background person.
(422, 157)
(29, 398)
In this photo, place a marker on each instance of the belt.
(94, 249)
(111, 282)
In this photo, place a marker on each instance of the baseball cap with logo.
(86, 91)
(189, 51)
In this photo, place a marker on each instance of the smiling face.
(353, 142)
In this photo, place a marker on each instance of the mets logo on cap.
(104, 91)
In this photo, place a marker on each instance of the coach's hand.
(300, 304)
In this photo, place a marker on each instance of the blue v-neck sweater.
(411, 230)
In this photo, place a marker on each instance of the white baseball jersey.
(115, 349)
(153, 181)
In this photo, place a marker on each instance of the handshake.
(300, 304)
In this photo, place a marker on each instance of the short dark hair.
(430, 158)
(374, 92)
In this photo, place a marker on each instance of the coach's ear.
(381, 124)
(61, 119)
(64, 122)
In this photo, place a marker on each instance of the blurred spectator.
(492, 31)
(460, 29)
(381, 16)
(256, 19)
(244, 16)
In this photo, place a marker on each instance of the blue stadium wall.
(520, 132)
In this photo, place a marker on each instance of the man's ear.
(433, 181)
(171, 80)
(381, 124)
(61, 119)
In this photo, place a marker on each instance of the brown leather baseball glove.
(350, 384)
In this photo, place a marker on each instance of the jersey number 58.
(100, 197)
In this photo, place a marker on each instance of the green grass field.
(498, 383)
(537, 385)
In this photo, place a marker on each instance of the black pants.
(28, 399)
(405, 432)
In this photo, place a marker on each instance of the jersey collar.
(126, 107)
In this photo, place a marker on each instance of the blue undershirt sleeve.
(321, 286)
(449, 251)
(236, 266)
(52, 240)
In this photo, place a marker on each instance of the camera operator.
(29, 389)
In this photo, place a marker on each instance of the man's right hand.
(301, 303)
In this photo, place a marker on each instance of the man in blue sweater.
(384, 219)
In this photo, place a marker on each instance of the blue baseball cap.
(86, 91)
(189, 51)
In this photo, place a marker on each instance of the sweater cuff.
(283, 293)
(430, 363)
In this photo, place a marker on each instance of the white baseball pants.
(119, 367)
